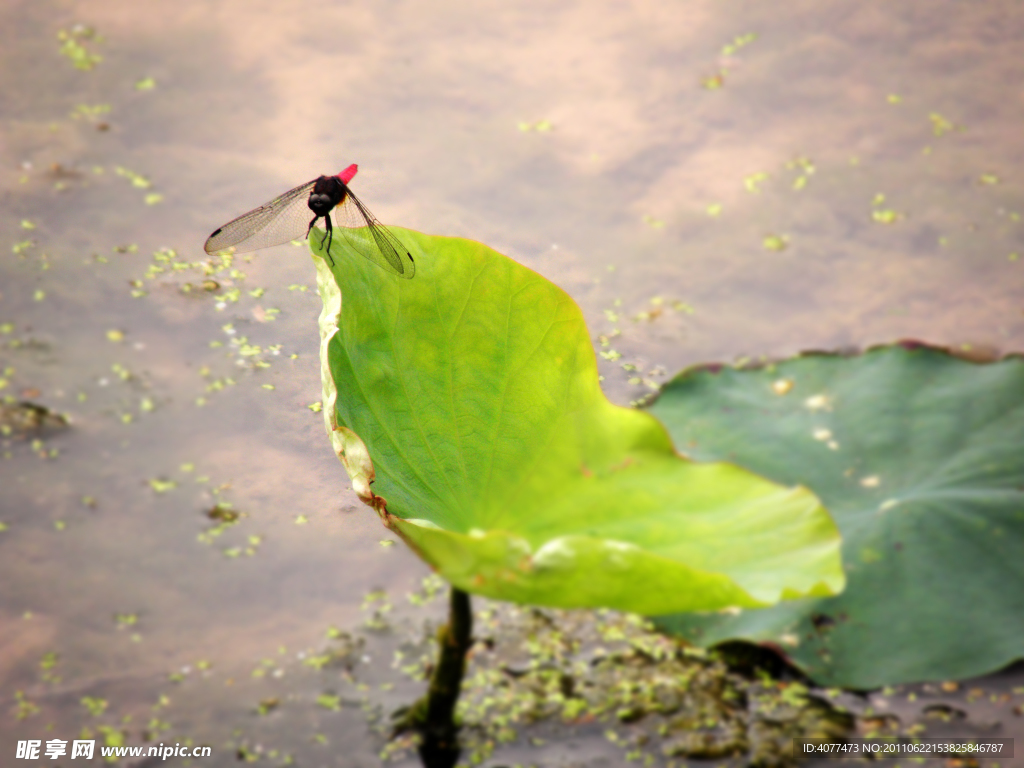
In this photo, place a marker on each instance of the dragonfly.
(285, 218)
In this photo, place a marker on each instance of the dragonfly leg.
(309, 229)
(329, 237)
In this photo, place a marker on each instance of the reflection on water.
(710, 180)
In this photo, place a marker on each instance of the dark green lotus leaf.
(469, 396)
(919, 456)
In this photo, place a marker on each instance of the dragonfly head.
(328, 192)
(321, 205)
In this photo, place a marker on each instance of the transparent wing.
(284, 218)
(368, 237)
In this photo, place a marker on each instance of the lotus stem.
(439, 733)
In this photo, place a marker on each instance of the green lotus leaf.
(469, 397)
(919, 455)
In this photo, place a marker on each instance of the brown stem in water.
(433, 716)
(439, 747)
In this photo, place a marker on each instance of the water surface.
(709, 180)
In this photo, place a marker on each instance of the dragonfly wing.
(368, 237)
(284, 218)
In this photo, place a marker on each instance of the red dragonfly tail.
(349, 173)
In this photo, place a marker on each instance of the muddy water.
(709, 180)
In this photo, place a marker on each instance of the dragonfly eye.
(321, 205)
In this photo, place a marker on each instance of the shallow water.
(673, 212)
